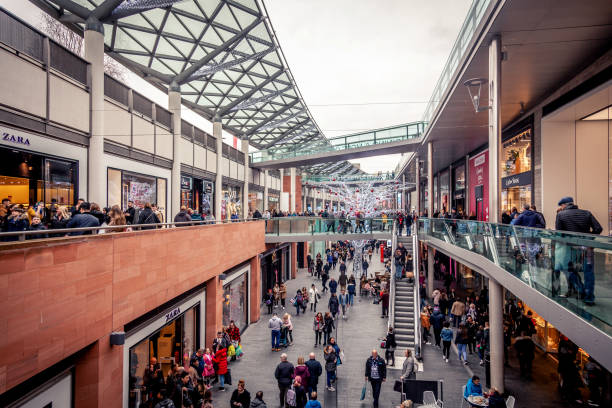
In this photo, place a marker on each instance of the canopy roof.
(222, 53)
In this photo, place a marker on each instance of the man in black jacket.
(376, 373)
(284, 376)
(571, 218)
(147, 216)
(315, 370)
(82, 220)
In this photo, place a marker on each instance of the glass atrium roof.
(222, 53)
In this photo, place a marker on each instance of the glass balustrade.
(574, 270)
(364, 139)
(323, 226)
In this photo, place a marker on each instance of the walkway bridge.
(533, 265)
(395, 139)
(301, 229)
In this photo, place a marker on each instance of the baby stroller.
(283, 342)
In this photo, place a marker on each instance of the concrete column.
(282, 175)
(218, 134)
(292, 192)
(451, 188)
(255, 289)
(417, 175)
(305, 196)
(266, 186)
(174, 106)
(404, 201)
(430, 270)
(96, 171)
(494, 127)
(496, 334)
(430, 179)
(245, 188)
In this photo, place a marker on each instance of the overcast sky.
(359, 64)
(372, 52)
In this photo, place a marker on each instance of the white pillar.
(292, 192)
(94, 54)
(417, 176)
(430, 270)
(466, 208)
(218, 134)
(430, 179)
(282, 178)
(403, 191)
(496, 334)
(494, 127)
(265, 198)
(245, 188)
(174, 106)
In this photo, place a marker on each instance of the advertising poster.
(479, 186)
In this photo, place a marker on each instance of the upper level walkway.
(395, 139)
(300, 229)
(543, 268)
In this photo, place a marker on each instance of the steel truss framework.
(223, 54)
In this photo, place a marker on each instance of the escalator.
(554, 272)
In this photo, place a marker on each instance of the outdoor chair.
(462, 396)
(429, 399)
(510, 402)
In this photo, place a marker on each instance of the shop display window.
(436, 194)
(173, 343)
(516, 154)
(235, 302)
(123, 186)
(444, 190)
(231, 202)
(515, 197)
(27, 178)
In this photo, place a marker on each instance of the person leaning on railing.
(83, 220)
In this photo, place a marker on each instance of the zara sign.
(15, 139)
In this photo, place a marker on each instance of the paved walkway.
(357, 336)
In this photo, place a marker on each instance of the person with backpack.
(269, 300)
(390, 346)
(284, 375)
(300, 392)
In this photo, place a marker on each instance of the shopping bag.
(231, 350)
(239, 351)
(363, 391)
(228, 377)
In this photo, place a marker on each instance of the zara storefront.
(170, 334)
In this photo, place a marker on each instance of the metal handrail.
(417, 293)
(392, 280)
(114, 228)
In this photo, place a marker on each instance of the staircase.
(404, 324)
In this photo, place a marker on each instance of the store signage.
(15, 139)
(186, 183)
(515, 180)
(174, 313)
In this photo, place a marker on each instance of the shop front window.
(515, 197)
(123, 186)
(255, 201)
(444, 190)
(173, 343)
(231, 202)
(235, 302)
(436, 194)
(273, 200)
(27, 178)
(516, 154)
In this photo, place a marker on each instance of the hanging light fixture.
(474, 86)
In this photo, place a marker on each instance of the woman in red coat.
(221, 360)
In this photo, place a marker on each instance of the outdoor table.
(472, 401)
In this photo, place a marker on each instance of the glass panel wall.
(235, 302)
(124, 186)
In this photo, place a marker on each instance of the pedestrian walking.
(314, 297)
(330, 366)
(457, 310)
(447, 337)
(284, 374)
(318, 326)
(315, 370)
(376, 374)
(333, 305)
(390, 345)
(328, 327)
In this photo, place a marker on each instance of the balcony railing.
(324, 226)
(574, 270)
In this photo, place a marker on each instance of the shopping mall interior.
(180, 228)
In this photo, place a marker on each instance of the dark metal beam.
(286, 133)
(271, 118)
(249, 94)
(73, 7)
(186, 74)
(105, 9)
